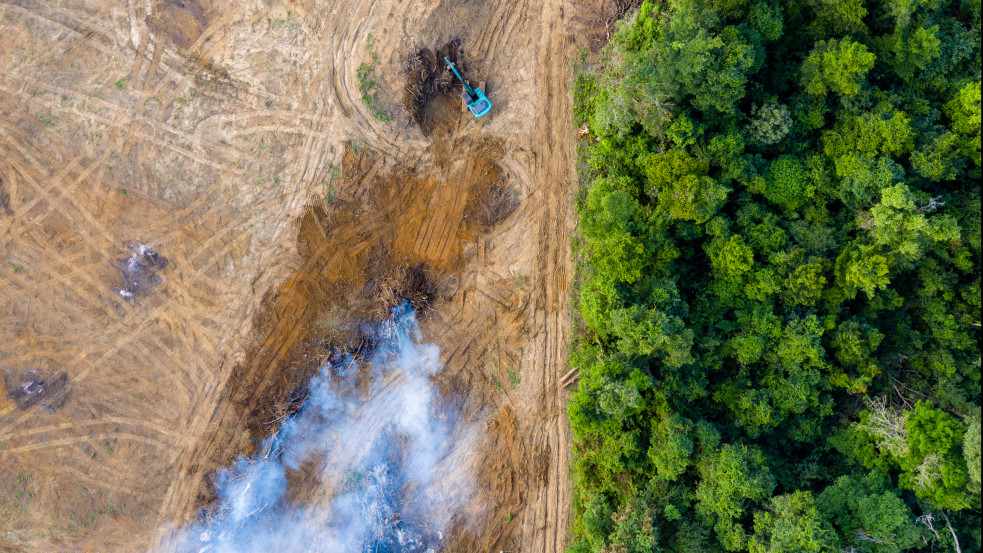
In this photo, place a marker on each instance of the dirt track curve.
(207, 131)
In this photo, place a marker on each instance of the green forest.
(777, 307)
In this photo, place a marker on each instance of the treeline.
(779, 285)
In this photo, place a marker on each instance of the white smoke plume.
(389, 464)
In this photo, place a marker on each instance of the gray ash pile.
(139, 271)
(36, 386)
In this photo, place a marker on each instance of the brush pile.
(429, 77)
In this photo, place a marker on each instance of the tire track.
(545, 521)
(185, 340)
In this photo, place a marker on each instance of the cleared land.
(266, 153)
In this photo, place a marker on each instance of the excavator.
(476, 100)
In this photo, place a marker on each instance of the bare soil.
(234, 139)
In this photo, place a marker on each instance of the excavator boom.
(476, 100)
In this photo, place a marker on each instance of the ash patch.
(36, 386)
(138, 271)
(5, 200)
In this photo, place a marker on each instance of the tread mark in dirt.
(311, 112)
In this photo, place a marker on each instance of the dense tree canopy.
(779, 279)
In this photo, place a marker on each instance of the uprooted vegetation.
(430, 86)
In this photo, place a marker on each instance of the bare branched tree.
(933, 204)
(955, 540)
(929, 471)
(887, 424)
(863, 535)
(929, 522)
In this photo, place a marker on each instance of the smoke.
(387, 463)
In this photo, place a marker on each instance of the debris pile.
(139, 271)
(382, 460)
(182, 21)
(496, 205)
(428, 79)
(415, 284)
(33, 386)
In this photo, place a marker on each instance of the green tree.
(727, 153)
(939, 159)
(595, 518)
(902, 10)
(839, 16)
(706, 65)
(634, 530)
(680, 186)
(837, 65)
(805, 284)
(864, 177)
(607, 218)
(855, 345)
(672, 447)
(964, 112)
(790, 525)
(923, 444)
(731, 257)
(627, 91)
(865, 512)
(910, 50)
(770, 123)
(883, 131)
(904, 229)
(862, 268)
(731, 481)
(767, 20)
(934, 468)
(787, 183)
(652, 332)
(971, 453)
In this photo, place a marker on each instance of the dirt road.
(262, 149)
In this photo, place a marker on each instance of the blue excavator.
(476, 100)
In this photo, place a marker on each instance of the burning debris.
(33, 386)
(139, 271)
(414, 284)
(378, 455)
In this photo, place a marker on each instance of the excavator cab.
(477, 102)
